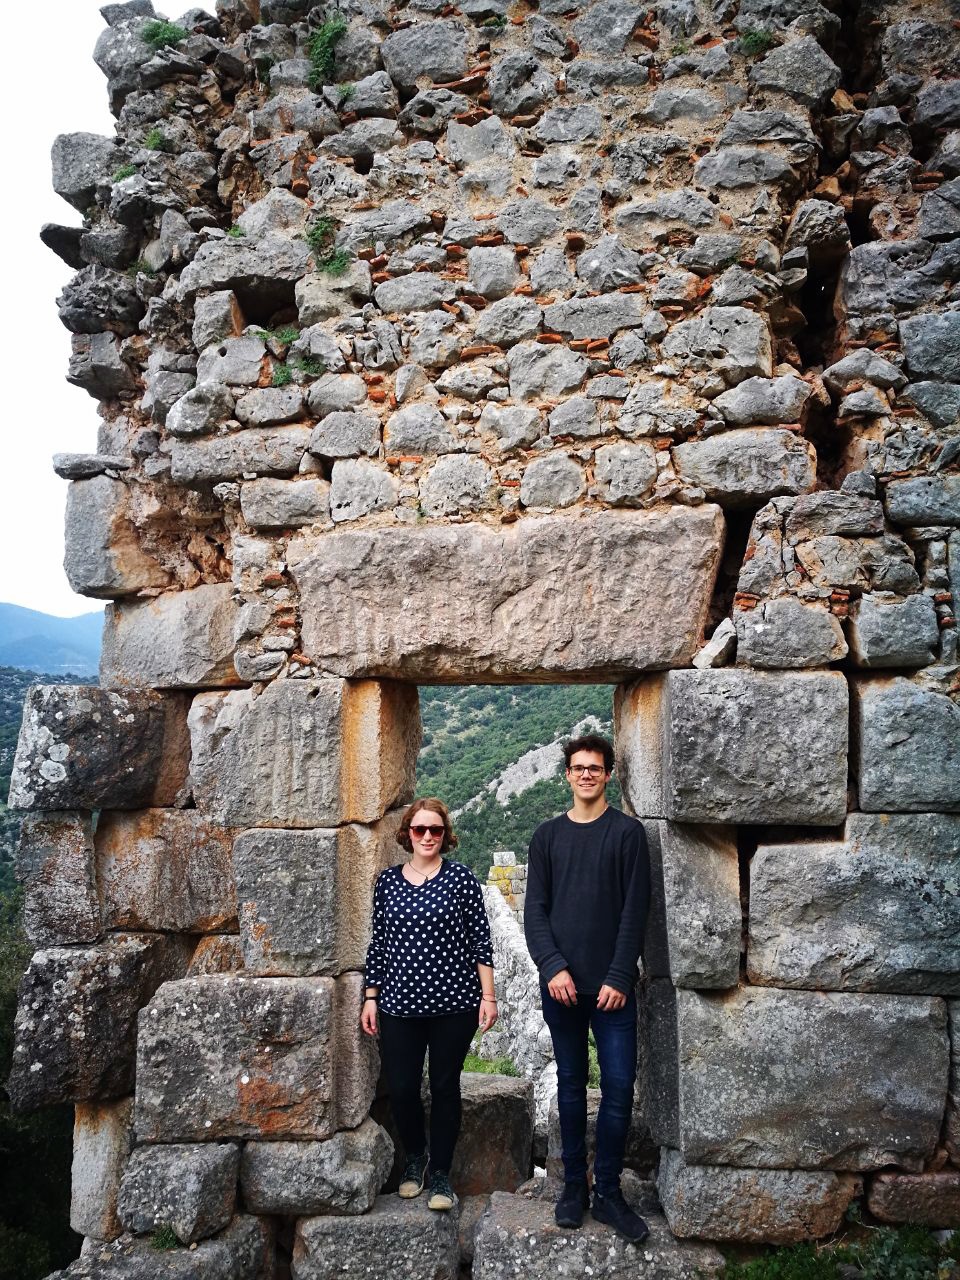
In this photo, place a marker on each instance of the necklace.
(425, 878)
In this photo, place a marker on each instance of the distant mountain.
(36, 641)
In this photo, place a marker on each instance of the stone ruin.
(561, 341)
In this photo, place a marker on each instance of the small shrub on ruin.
(318, 234)
(236, 232)
(335, 263)
(140, 268)
(262, 68)
(156, 140)
(322, 50)
(346, 92)
(756, 41)
(679, 48)
(163, 1239)
(497, 23)
(159, 34)
(312, 366)
(125, 171)
(285, 334)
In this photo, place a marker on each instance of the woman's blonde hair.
(432, 805)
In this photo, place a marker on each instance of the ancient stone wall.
(506, 343)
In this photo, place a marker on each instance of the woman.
(429, 977)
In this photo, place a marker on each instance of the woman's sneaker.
(441, 1192)
(414, 1176)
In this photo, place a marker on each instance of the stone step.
(517, 1236)
(402, 1239)
(244, 1251)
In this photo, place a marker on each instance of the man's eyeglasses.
(420, 831)
(591, 770)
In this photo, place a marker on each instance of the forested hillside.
(472, 735)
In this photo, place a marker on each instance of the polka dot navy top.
(427, 942)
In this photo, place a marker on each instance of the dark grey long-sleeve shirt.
(588, 892)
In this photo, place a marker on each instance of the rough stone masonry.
(629, 336)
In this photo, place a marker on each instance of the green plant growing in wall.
(335, 263)
(321, 50)
(318, 234)
(312, 366)
(125, 171)
(159, 34)
(756, 41)
(282, 375)
(680, 47)
(497, 23)
(262, 68)
(140, 268)
(164, 1239)
(236, 232)
(285, 334)
(157, 140)
(347, 92)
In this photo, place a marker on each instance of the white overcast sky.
(52, 86)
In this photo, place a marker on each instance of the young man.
(588, 890)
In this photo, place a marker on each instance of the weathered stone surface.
(104, 556)
(626, 472)
(806, 1047)
(517, 1236)
(931, 344)
(437, 50)
(799, 68)
(887, 631)
(285, 504)
(924, 500)
(419, 429)
(512, 424)
(179, 640)
(261, 272)
(785, 633)
(732, 755)
(191, 1189)
(899, 728)
(323, 296)
(96, 365)
(419, 291)
(701, 887)
(272, 451)
(747, 467)
(495, 1149)
(952, 1121)
(55, 866)
(456, 483)
(341, 1175)
(244, 1251)
(598, 317)
(508, 321)
(554, 480)
(305, 897)
(81, 747)
(77, 1018)
(396, 1238)
(266, 405)
(750, 1206)
(165, 869)
(201, 410)
(928, 1199)
(879, 912)
(102, 1136)
(537, 370)
(343, 434)
(304, 753)
(764, 401)
(733, 167)
(733, 340)
(79, 161)
(289, 1059)
(358, 488)
(526, 623)
(237, 362)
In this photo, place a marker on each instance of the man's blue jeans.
(615, 1032)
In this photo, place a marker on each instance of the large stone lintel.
(589, 596)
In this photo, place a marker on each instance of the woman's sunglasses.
(420, 831)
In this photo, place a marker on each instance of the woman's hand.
(488, 1012)
(368, 1017)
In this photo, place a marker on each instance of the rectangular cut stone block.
(818, 1080)
(495, 1149)
(341, 1175)
(531, 618)
(518, 1237)
(879, 912)
(952, 1123)
(104, 556)
(931, 1199)
(701, 885)
(305, 897)
(81, 747)
(216, 953)
(55, 865)
(77, 1018)
(188, 1187)
(639, 737)
(167, 869)
(906, 752)
(756, 746)
(287, 1059)
(304, 753)
(396, 1238)
(751, 1206)
(244, 1251)
(180, 640)
(102, 1137)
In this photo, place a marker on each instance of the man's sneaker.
(615, 1211)
(573, 1200)
(441, 1192)
(414, 1176)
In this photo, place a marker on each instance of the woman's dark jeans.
(615, 1032)
(404, 1043)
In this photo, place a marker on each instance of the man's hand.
(610, 998)
(561, 986)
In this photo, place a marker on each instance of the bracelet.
(493, 998)
(375, 999)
